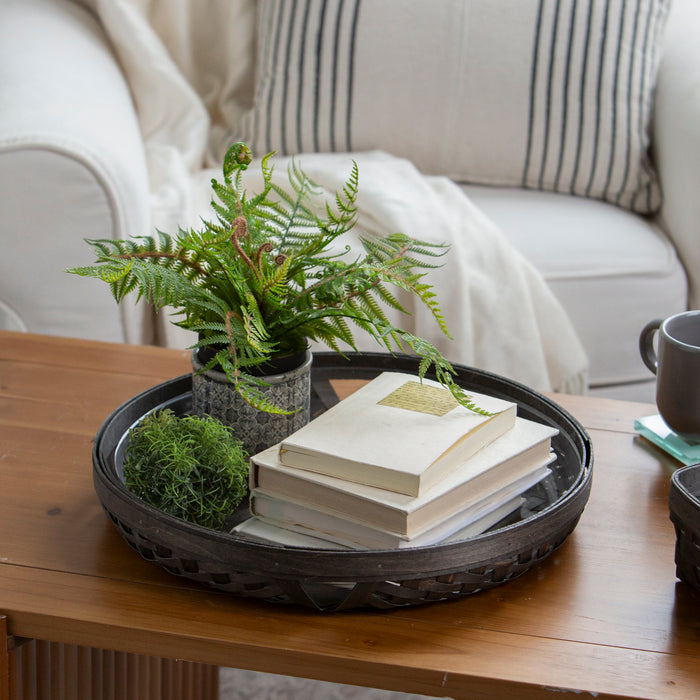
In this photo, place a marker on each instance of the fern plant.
(268, 275)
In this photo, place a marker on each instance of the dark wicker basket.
(684, 506)
(331, 580)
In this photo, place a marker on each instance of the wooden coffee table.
(603, 616)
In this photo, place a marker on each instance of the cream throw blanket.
(501, 314)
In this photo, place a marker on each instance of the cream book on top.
(397, 433)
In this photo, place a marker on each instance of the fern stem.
(264, 248)
(232, 345)
(143, 255)
(240, 230)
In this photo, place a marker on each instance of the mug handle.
(646, 344)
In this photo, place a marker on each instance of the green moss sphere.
(191, 467)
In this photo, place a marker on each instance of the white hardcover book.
(488, 520)
(262, 531)
(397, 433)
(473, 520)
(520, 451)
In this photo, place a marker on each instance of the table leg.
(4, 660)
(39, 670)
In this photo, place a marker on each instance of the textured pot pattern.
(214, 395)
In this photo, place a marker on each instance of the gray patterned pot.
(213, 394)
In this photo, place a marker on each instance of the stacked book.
(399, 463)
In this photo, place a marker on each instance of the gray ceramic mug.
(677, 369)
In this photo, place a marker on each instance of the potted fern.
(261, 281)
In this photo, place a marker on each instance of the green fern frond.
(444, 372)
(210, 340)
(110, 273)
(275, 288)
(346, 205)
(402, 252)
(328, 329)
(256, 332)
(126, 285)
(210, 237)
(415, 245)
(294, 220)
(267, 167)
(388, 298)
(371, 307)
(258, 399)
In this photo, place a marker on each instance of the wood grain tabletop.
(604, 616)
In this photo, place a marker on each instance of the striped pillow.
(547, 94)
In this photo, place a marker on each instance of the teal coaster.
(654, 429)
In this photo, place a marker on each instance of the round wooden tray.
(331, 580)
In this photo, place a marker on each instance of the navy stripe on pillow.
(572, 147)
(305, 80)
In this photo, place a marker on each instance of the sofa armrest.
(72, 166)
(676, 137)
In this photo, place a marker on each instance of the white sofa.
(73, 166)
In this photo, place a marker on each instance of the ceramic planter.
(213, 394)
